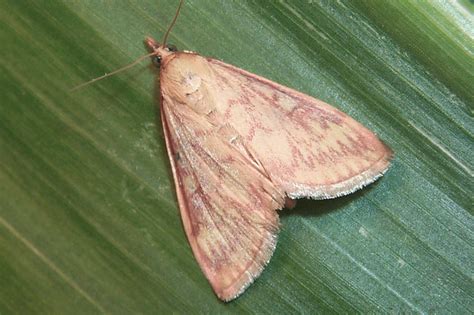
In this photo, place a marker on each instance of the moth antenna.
(165, 38)
(77, 87)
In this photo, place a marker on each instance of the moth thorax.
(187, 82)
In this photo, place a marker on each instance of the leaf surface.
(88, 215)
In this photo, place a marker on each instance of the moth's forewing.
(307, 147)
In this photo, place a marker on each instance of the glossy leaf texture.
(88, 215)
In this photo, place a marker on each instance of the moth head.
(156, 59)
(159, 51)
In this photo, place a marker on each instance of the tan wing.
(227, 205)
(237, 144)
(307, 147)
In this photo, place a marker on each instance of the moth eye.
(172, 47)
(156, 60)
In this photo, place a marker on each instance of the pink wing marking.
(308, 148)
(227, 205)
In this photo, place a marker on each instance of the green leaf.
(88, 217)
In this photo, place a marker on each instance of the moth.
(242, 147)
